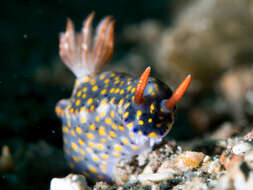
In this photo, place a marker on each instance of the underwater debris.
(6, 161)
(70, 182)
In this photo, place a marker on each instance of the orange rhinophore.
(141, 86)
(178, 94)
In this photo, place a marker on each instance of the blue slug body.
(101, 122)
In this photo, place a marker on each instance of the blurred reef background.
(212, 40)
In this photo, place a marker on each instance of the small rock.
(241, 148)
(230, 161)
(249, 159)
(249, 136)
(189, 160)
(70, 182)
(147, 178)
(6, 160)
(102, 185)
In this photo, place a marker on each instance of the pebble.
(241, 148)
(189, 160)
(70, 182)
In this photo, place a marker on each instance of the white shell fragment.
(70, 182)
(241, 148)
(155, 177)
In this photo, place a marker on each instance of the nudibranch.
(109, 115)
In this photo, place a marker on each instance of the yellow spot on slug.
(74, 146)
(152, 135)
(112, 90)
(118, 148)
(112, 114)
(114, 126)
(121, 84)
(73, 132)
(85, 89)
(134, 147)
(103, 168)
(138, 114)
(90, 100)
(125, 141)
(102, 131)
(107, 81)
(103, 140)
(158, 125)
(152, 108)
(89, 150)
(130, 125)
(91, 144)
(103, 92)
(112, 134)
(120, 111)
(78, 130)
(76, 158)
(150, 120)
(82, 119)
(94, 88)
(121, 102)
(65, 129)
(102, 114)
(112, 100)
(141, 122)
(113, 74)
(102, 77)
(86, 79)
(97, 119)
(82, 109)
(133, 90)
(93, 82)
(117, 91)
(150, 90)
(116, 155)
(90, 136)
(116, 82)
(100, 147)
(108, 121)
(126, 105)
(121, 128)
(129, 88)
(126, 114)
(92, 108)
(122, 91)
(92, 127)
(103, 102)
(92, 170)
(82, 152)
(95, 158)
(104, 156)
(81, 142)
(79, 93)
